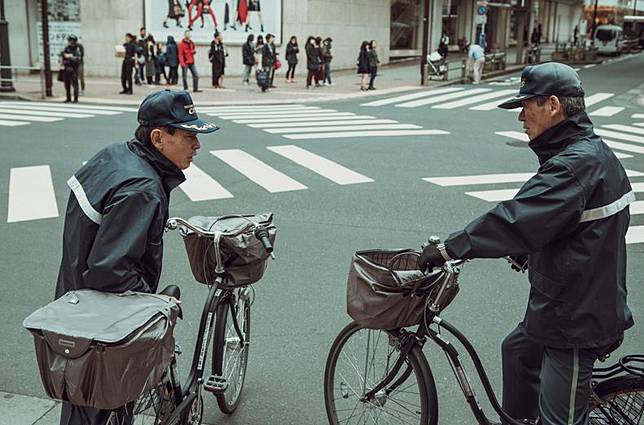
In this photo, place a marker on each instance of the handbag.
(61, 75)
(278, 64)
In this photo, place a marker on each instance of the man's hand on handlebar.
(430, 258)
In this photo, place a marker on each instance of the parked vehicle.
(608, 39)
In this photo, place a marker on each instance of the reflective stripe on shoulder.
(608, 210)
(81, 197)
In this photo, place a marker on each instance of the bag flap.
(230, 222)
(70, 347)
(100, 316)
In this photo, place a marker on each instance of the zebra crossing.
(478, 99)
(634, 235)
(300, 122)
(15, 114)
(623, 139)
(32, 195)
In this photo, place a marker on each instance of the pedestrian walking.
(176, 12)
(217, 56)
(269, 58)
(476, 60)
(363, 65)
(81, 68)
(128, 65)
(254, 6)
(159, 65)
(141, 52)
(117, 209)
(150, 59)
(327, 56)
(292, 50)
(373, 64)
(312, 62)
(172, 60)
(70, 57)
(567, 225)
(187, 51)
(248, 58)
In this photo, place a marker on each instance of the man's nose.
(197, 144)
(522, 115)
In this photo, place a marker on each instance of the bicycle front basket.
(244, 256)
(378, 289)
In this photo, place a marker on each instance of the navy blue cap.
(172, 108)
(546, 79)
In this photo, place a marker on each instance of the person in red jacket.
(187, 62)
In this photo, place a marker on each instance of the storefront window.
(450, 19)
(405, 22)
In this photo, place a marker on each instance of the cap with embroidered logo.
(546, 79)
(172, 108)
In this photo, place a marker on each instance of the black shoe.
(261, 28)
(75, 101)
(129, 92)
(371, 88)
(202, 26)
(165, 25)
(189, 27)
(123, 92)
(197, 91)
(233, 26)
(67, 100)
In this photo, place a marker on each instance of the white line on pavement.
(606, 111)
(6, 123)
(322, 166)
(637, 187)
(258, 171)
(406, 97)
(591, 65)
(626, 128)
(239, 115)
(351, 134)
(74, 106)
(5, 110)
(474, 99)
(479, 179)
(199, 186)
(321, 123)
(596, 98)
(620, 155)
(333, 117)
(636, 208)
(637, 116)
(31, 194)
(257, 110)
(494, 195)
(281, 116)
(442, 98)
(29, 118)
(621, 136)
(635, 234)
(55, 108)
(639, 124)
(631, 173)
(514, 135)
(251, 107)
(287, 130)
(624, 146)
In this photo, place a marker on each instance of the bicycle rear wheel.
(621, 401)
(358, 360)
(152, 407)
(230, 354)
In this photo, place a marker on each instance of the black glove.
(519, 263)
(430, 258)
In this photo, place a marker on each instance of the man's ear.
(555, 105)
(156, 139)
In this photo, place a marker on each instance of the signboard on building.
(64, 20)
(235, 19)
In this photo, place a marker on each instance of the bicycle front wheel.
(620, 401)
(359, 359)
(230, 351)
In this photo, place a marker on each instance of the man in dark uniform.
(71, 57)
(567, 226)
(128, 64)
(118, 207)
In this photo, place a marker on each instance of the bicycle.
(374, 374)
(226, 319)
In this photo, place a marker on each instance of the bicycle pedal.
(215, 384)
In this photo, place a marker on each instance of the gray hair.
(571, 105)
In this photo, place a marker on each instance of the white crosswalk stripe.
(634, 235)
(322, 123)
(199, 186)
(31, 194)
(28, 117)
(626, 128)
(596, 98)
(288, 130)
(255, 118)
(78, 106)
(367, 133)
(10, 123)
(442, 98)
(344, 116)
(64, 109)
(250, 108)
(619, 135)
(22, 113)
(322, 166)
(606, 111)
(270, 114)
(474, 99)
(638, 116)
(412, 96)
(517, 135)
(59, 114)
(259, 172)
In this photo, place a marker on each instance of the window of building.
(405, 24)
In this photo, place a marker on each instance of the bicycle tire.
(230, 358)
(617, 398)
(152, 407)
(424, 403)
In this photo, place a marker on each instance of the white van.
(608, 39)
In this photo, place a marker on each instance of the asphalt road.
(300, 303)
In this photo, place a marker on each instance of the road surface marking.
(338, 116)
(258, 171)
(55, 108)
(474, 99)
(494, 195)
(302, 110)
(29, 118)
(6, 123)
(322, 166)
(635, 234)
(596, 98)
(31, 194)
(239, 115)
(514, 135)
(199, 186)
(606, 111)
(68, 106)
(287, 130)
(621, 136)
(5, 110)
(412, 96)
(253, 118)
(251, 108)
(321, 123)
(351, 134)
(479, 179)
(626, 128)
(442, 98)
(591, 65)
(638, 116)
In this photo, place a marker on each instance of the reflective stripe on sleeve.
(608, 210)
(81, 197)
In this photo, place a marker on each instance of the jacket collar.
(170, 174)
(557, 138)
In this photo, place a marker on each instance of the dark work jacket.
(312, 57)
(130, 51)
(248, 55)
(171, 52)
(577, 252)
(217, 54)
(291, 53)
(363, 62)
(112, 240)
(268, 56)
(71, 64)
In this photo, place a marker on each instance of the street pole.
(6, 82)
(592, 33)
(45, 46)
(423, 55)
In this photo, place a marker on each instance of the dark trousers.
(195, 76)
(71, 82)
(551, 383)
(174, 74)
(77, 415)
(126, 76)
(374, 72)
(313, 74)
(327, 72)
(217, 71)
(291, 70)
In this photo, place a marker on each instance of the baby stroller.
(436, 66)
(263, 79)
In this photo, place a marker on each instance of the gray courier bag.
(100, 349)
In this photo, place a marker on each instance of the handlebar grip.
(262, 235)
